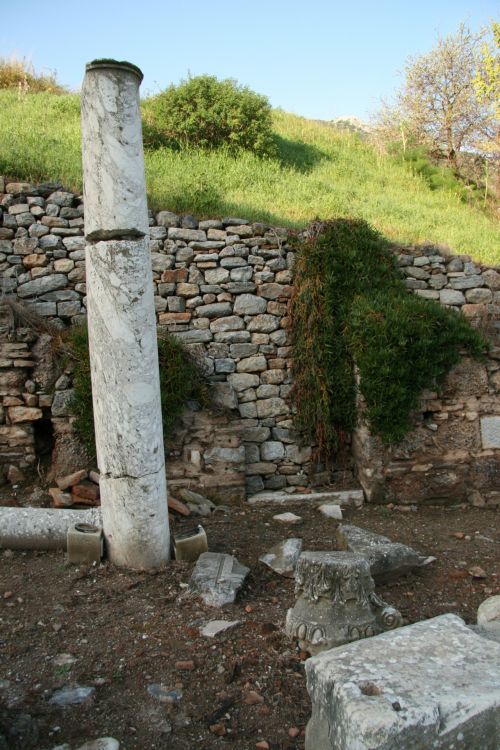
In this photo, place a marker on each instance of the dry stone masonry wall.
(223, 288)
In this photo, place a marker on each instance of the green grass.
(319, 173)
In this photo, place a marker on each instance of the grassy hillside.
(319, 173)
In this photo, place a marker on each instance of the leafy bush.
(21, 75)
(180, 380)
(351, 307)
(203, 112)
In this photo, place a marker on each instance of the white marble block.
(433, 685)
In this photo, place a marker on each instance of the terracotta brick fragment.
(71, 479)
(86, 492)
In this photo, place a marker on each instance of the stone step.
(353, 498)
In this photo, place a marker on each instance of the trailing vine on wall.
(351, 311)
(181, 380)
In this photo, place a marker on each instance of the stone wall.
(223, 288)
(453, 455)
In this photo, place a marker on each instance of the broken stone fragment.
(330, 510)
(283, 556)
(199, 505)
(287, 518)
(217, 578)
(102, 743)
(434, 684)
(71, 696)
(163, 694)
(386, 559)
(488, 615)
(214, 627)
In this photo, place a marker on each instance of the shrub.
(203, 112)
(351, 307)
(21, 75)
(180, 380)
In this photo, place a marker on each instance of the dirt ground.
(125, 631)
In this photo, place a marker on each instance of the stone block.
(467, 282)
(271, 407)
(167, 219)
(61, 405)
(161, 262)
(227, 323)
(434, 684)
(272, 450)
(249, 304)
(242, 381)
(43, 285)
(451, 297)
(490, 432)
(216, 275)
(478, 296)
(84, 544)
(188, 235)
(264, 323)
(283, 556)
(214, 310)
(218, 578)
(386, 559)
(257, 363)
(24, 414)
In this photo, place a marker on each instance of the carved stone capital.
(336, 602)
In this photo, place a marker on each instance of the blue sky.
(316, 58)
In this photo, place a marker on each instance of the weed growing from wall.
(181, 380)
(351, 310)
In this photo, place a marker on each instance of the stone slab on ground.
(214, 627)
(354, 498)
(283, 556)
(287, 518)
(218, 578)
(434, 684)
(387, 559)
(331, 510)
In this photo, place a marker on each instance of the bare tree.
(439, 99)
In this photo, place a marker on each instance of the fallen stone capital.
(336, 602)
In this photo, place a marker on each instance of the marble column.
(41, 528)
(121, 320)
